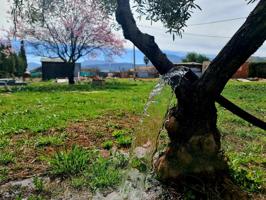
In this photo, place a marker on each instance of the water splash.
(138, 185)
(146, 134)
(174, 76)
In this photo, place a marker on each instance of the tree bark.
(71, 80)
(195, 147)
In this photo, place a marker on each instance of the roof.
(188, 64)
(144, 68)
(58, 60)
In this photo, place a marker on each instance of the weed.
(124, 141)
(247, 180)
(69, 163)
(38, 184)
(18, 197)
(139, 164)
(49, 141)
(99, 134)
(35, 197)
(102, 174)
(107, 145)
(3, 174)
(119, 133)
(119, 160)
(6, 158)
(4, 142)
(112, 125)
(78, 182)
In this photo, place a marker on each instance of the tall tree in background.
(195, 57)
(21, 62)
(8, 60)
(67, 29)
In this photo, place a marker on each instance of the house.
(53, 68)
(246, 70)
(145, 72)
(195, 67)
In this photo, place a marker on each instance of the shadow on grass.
(54, 87)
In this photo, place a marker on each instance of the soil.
(89, 134)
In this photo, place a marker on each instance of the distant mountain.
(257, 59)
(107, 67)
(122, 66)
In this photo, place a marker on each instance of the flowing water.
(142, 185)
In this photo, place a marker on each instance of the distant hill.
(258, 59)
(120, 66)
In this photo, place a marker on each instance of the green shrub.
(107, 145)
(70, 163)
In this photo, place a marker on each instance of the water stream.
(139, 185)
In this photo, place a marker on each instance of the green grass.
(49, 140)
(67, 163)
(41, 106)
(107, 144)
(35, 109)
(88, 168)
(243, 143)
(6, 158)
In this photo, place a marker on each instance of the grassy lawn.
(41, 106)
(40, 125)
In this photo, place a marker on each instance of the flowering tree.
(68, 29)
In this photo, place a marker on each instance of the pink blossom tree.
(68, 29)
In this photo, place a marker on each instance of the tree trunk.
(195, 149)
(71, 80)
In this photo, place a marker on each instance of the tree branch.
(244, 43)
(148, 46)
(144, 42)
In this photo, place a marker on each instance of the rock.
(140, 152)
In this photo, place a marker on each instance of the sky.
(212, 10)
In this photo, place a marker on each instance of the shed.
(53, 68)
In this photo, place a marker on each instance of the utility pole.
(134, 62)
